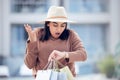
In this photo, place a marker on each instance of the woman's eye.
(55, 25)
(62, 26)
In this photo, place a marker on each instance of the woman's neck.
(52, 38)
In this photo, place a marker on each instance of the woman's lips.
(57, 33)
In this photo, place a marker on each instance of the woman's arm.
(31, 55)
(78, 52)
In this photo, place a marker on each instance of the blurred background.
(98, 25)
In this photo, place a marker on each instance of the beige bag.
(68, 72)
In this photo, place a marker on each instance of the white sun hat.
(57, 14)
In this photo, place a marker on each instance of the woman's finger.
(53, 55)
(27, 27)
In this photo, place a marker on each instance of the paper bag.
(43, 75)
(62, 76)
(68, 72)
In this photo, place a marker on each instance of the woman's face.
(56, 28)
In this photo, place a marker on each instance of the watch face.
(67, 59)
(28, 41)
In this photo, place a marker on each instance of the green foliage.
(107, 65)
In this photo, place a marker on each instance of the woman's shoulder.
(38, 30)
(72, 32)
(73, 35)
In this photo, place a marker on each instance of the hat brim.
(58, 20)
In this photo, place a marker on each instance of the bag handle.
(53, 64)
(47, 65)
(58, 62)
(50, 65)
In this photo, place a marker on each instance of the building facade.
(97, 24)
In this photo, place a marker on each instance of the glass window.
(88, 6)
(93, 38)
(18, 39)
(29, 6)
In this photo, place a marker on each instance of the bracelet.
(66, 55)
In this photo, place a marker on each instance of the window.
(18, 39)
(28, 6)
(93, 38)
(89, 6)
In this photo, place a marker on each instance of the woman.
(54, 41)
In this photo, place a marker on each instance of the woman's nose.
(59, 29)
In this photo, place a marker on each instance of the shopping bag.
(43, 75)
(62, 76)
(65, 70)
(54, 75)
(49, 72)
(68, 72)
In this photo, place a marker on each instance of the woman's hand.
(57, 55)
(31, 33)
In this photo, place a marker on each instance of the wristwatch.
(28, 41)
(66, 57)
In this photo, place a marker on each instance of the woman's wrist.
(66, 55)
